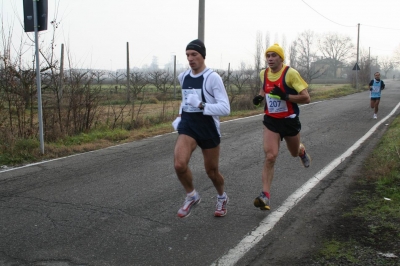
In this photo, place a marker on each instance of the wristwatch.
(202, 105)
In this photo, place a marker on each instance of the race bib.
(276, 106)
(187, 107)
(376, 88)
(376, 91)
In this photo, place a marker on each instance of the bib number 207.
(274, 104)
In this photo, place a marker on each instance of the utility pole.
(229, 73)
(128, 89)
(369, 53)
(369, 61)
(358, 49)
(201, 20)
(60, 93)
(174, 76)
(358, 42)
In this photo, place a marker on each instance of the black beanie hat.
(198, 46)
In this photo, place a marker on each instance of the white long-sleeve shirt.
(215, 95)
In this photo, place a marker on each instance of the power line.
(380, 27)
(386, 28)
(324, 16)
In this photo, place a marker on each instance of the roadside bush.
(19, 151)
(242, 103)
(153, 100)
(26, 145)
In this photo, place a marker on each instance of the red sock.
(266, 194)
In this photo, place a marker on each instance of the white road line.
(266, 225)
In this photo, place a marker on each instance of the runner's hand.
(257, 100)
(193, 99)
(277, 93)
(176, 122)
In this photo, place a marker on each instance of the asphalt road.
(117, 206)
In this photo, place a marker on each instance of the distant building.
(328, 66)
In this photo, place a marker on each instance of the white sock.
(222, 196)
(191, 194)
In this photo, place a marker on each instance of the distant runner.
(376, 86)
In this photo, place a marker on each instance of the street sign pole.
(356, 68)
(38, 80)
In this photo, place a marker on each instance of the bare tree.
(387, 64)
(17, 88)
(163, 81)
(284, 44)
(293, 54)
(307, 55)
(241, 77)
(337, 47)
(267, 44)
(82, 100)
(117, 78)
(99, 76)
(258, 56)
(225, 76)
(138, 83)
(396, 55)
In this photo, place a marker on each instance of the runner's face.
(274, 61)
(377, 75)
(195, 59)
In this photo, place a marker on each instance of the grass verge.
(371, 235)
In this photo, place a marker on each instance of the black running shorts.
(285, 127)
(201, 128)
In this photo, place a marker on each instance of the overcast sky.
(96, 31)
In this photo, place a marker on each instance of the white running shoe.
(188, 205)
(220, 208)
(375, 116)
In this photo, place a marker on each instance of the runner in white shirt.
(204, 99)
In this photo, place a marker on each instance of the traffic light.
(41, 15)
